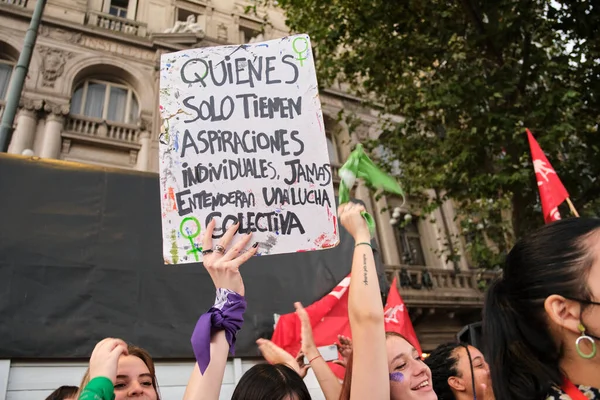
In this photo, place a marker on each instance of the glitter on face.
(396, 377)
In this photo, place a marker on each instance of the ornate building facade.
(91, 96)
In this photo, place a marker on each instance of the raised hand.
(344, 346)
(309, 348)
(222, 264)
(276, 355)
(105, 358)
(354, 222)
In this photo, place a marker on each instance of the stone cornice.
(148, 43)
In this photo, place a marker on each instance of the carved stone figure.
(189, 25)
(53, 64)
(222, 32)
(257, 39)
(61, 34)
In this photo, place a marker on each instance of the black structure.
(81, 259)
(471, 334)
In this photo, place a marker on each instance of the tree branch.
(477, 21)
(526, 61)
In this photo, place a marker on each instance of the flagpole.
(572, 207)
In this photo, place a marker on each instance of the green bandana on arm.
(359, 165)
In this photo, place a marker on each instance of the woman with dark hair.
(459, 372)
(64, 393)
(542, 318)
(271, 382)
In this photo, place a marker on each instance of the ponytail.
(523, 358)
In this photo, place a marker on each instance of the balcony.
(451, 290)
(98, 130)
(18, 3)
(117, 24)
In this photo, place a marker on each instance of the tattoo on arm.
(366, 281)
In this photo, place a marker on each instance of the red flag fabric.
(328, 318)
(552, 191)
(397, 318)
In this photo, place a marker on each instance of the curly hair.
(442, 361)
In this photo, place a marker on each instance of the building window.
(118, 8)
(183, 15)
(105, 100)
(6, 69)
(247, 34)
(409, 240)
(331, 150)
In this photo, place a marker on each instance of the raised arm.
(329, 383)
(225, 317)
(370, 376)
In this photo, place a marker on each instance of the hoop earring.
(583, 336)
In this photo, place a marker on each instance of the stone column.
(143, 157)
(52, 142)
(24, 133)
(387, 239)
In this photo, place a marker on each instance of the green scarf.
(359, 165)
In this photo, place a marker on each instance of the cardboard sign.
(243, 140)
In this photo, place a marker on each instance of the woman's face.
(481, 371)
(134, 380)
(591, 314)
(410, 378)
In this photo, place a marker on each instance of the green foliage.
(467, 77)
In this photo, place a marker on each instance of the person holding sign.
(214, 335)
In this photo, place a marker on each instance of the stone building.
(91, 96)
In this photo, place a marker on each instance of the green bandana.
(359, 165)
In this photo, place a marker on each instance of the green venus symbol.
(300, 58)
(191, 236)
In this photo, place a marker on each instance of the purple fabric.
(226, 314)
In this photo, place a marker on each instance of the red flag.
(328, 318)
(397, 318)
(552, 191)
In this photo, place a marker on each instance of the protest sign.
(243, 140)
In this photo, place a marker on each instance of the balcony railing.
(448, 287)
(101, 129)
(19, 3)
(117, 24)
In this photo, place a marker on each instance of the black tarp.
(80, 260)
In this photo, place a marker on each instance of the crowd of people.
(538, 333)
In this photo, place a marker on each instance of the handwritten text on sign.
(243, 141)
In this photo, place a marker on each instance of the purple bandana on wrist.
(226, 314)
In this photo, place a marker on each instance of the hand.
(309, 348)
(276, 355)
(488, 392)
(224, 268)
(105, 358)
(303, 367)
(344, 346)
(351, 219)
